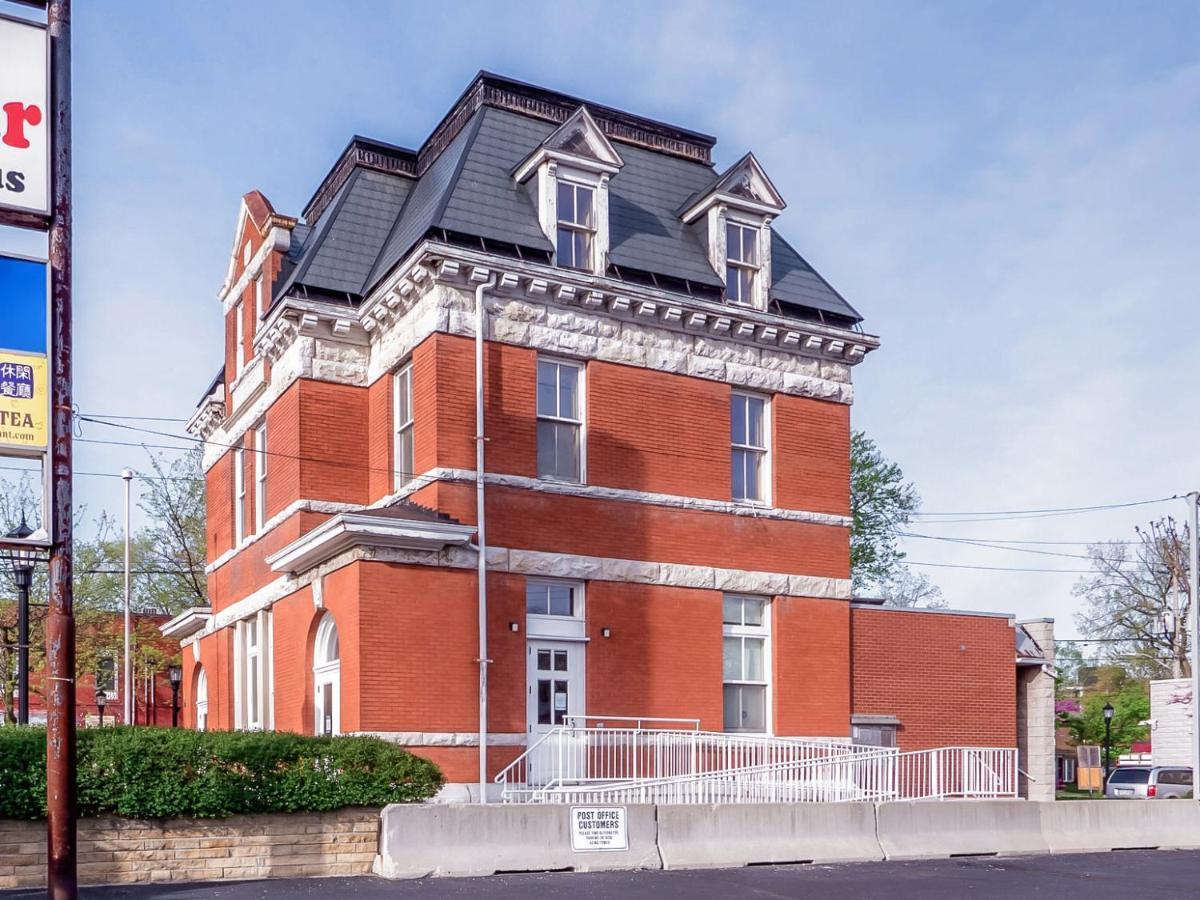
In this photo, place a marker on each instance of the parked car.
(1149, 783)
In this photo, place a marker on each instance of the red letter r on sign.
(17, 116)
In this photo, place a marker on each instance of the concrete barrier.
(741, 834)
(1083, 826)
(420, 840)
(932, 829)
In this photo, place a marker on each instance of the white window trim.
(258, 301)
(401, 478)
(239, 331)
(262, 658)
(581, 421)
(201, 699)
(765, 469)
(260, 476)
(239, 496)
(755, 298)
(762, 632)
(548, 177)
(549, 628)
(592, 230)
(327, 673)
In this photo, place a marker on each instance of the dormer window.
(576, 225)
(733, 217)
(741, 263)
(567, 178)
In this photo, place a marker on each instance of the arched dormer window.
(327, 678)
(568, 177)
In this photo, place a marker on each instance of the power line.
(135, 418)
(139, 477)
(998, 568)
(970, 542)
(1062, 510)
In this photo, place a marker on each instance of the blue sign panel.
(23, 305)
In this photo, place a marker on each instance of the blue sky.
(1006, 191)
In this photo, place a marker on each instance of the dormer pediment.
(743, 186)
(578, 142)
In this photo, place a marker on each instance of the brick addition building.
(659, 473)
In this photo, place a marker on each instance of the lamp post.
(20, 566)
(1108, 714)
(175, 673)
(101, 697)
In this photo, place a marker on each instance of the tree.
(1131, 708)
(173, 549)
(1137, 601)
(906, 589)
(881, 502)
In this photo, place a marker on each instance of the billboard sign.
(24, 117)
(24, 369)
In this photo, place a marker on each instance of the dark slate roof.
(406, 509)
(467, 191)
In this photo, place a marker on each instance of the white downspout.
(481, 540)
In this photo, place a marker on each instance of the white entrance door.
(554, 688)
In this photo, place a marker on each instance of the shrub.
(160, 772)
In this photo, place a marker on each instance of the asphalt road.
(1137, 874)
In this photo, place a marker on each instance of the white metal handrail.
(571, 763)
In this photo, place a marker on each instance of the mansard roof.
(379, 201)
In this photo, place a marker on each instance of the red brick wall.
(950, 679)
(812, 454)
(380, 441)
(219, 492)
(333, 442)
(811, 667)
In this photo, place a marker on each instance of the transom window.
(549, 598)
(560, 420)
(748, 434)
(746, 664)
(741, 263)
(405, 467)
(576, 225)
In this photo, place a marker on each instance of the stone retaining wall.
(119, 851)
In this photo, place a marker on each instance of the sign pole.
(61, 877)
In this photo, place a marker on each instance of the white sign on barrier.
(599, 828)
(24, 116)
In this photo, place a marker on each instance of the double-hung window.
(746, 630)
(253, 681)
(405, 467)
(258, 301)
(748, 435)
(239, 496)
(260, 476)
(576, 225)
(253, 658)
(741, 263)
(560, 420)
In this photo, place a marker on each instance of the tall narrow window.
(260, 476)
(405, 466)
(253, 646)
(201, 700)
(741, 263)
(239, 496)
(258, 301)
(239, 336)
(327, 677)
(746, 630)
(748, 433)
(576, 225)
(560, 420)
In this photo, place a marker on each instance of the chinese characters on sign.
(23, 402)
(24, 387)
(24, 118)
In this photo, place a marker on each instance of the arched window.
(201, 699)
(327, 678)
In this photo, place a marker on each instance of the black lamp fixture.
(101, 697)
(19, 562)
(1108, 716)
(175, 674)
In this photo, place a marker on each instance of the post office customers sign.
(599, 828)
(24, 117)
(24, 372)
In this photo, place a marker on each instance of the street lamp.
(175, 673)
(1108, 714)
(19, 562)
(100, 698)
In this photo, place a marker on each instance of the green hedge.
(158, 772)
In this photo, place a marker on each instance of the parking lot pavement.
(1140, 874)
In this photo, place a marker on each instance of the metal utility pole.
(61, 875)
(127, 668)
(1193, 500)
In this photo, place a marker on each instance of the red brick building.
(665, 386)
